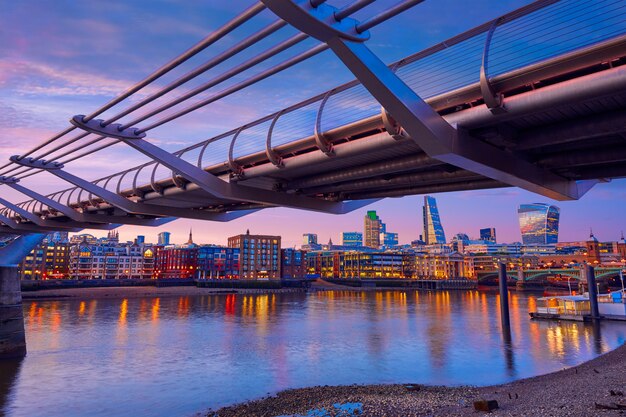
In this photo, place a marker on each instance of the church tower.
(593, 249)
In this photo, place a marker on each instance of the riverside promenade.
(589, 389)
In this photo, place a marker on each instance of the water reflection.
(179, 355)
(507, 349)
(8, 372)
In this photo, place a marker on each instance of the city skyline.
(574, 225)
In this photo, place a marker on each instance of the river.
(177, 356)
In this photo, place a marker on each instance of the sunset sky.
(61, 58)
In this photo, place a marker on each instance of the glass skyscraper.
(433, 230)
(488, 234)
(539, 223)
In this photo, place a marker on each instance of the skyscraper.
(488, 234)
(371, 230)
(433, 230)
(539, 223)
(164, 238)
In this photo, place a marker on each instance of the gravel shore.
(577, 391)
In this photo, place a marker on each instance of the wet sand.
(570, 392)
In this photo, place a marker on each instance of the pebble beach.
(594, 388)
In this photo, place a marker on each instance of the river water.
(177, 356)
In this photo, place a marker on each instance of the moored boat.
(611, 306)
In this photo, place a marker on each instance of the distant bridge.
(542, 274)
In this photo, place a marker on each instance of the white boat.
(611, 306)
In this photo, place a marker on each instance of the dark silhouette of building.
(488, 234)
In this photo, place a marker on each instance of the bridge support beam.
(504, 296)
(12, 336)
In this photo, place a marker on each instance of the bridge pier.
(12, 335)
(593, 293)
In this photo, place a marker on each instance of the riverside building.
(259, 255)
(109, 259)
(49, 260)
(293, 263)
(218, 262)
(444, 266)
(389, 265)
(364, 265)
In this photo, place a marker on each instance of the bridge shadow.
(9, 371)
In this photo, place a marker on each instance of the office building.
(389, 239)
(539, 223)
(309, 239)
(352, 239)
(488, 234)
(217, 262)
(141, 239)
(363, 265)
(433, 230)
(164, 239)
(259, 255)
(180, 261)
(446, 266)
(372, 227)
(293, 263)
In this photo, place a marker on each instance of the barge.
(611, 306)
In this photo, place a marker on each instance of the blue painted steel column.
(504, 296)
(593, 292)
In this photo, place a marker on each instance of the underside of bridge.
(470, 113)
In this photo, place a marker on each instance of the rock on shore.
(583, 390)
